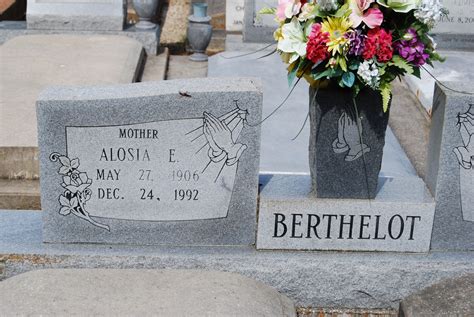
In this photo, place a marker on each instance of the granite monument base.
(399, 219)
(316, 279)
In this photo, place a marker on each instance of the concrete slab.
(450, 297)
(20, 194)
(156, 67)
(19, 162)
(179, 66)
(279, 152)
(316, 279)
(150, 39)
(30, 63)
(459, 66)
(129, 292)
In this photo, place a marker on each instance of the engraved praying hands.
(221, 144)
(465, 153)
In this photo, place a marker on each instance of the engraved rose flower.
(76, 193)
(76, 182)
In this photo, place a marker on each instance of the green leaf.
(348, 79)
(292, 75)
(402, 64)
(326, 73)
(343, 11)
(386, 92)
(353, 64)
(267, 11)
(416, 72)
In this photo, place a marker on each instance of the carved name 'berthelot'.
(188, 164)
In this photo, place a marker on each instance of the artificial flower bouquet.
(356, 43)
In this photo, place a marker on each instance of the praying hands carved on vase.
(349, 138)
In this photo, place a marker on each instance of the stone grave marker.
(399, 219)
(460, 19)
(234, 15)
(174, 162)
(85, 15)
(456, 30)
(258, 28)
(450, 174)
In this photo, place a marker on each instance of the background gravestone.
(460, 18)
(234, 15)
(450, 174)
(100, 15)
(457, 29)
(174, 162)
(258, 28)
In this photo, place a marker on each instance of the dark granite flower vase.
(345, 159)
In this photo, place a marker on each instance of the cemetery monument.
(169, 163)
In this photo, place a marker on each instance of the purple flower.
(356, 42)
(411, 48)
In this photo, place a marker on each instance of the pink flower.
(316, 49)
(288, 8)
(373, 17)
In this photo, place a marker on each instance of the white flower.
(433, 45)
(328, 5)
(293, 40)
(369, 73)
(307, 12)
(429, 12)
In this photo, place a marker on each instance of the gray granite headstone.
(399, 219)
(84, 15)
(174, 162)
(450, 174)
(456, 30)
(258, 28)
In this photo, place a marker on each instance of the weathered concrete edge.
(310, 279)
(149, 39)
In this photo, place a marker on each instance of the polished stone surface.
(347, 139)
(450, 169)
(399, 219)
(170, 162)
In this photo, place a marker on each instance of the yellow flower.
(337, 28)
